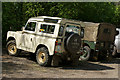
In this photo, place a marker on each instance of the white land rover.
(47, 36)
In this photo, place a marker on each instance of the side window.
(31, 26)
(72, 28)
(107, 31)
(45, 28)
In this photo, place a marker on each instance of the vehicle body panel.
(99, 37)
(90, 43)
(106, 32)
(117, 41)
(30, 40)
(91, 31)
(94, 32)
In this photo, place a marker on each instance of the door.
(46, 35)
(28, 36)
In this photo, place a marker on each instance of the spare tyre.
(73, 43)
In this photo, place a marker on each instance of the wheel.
(85, 54)
(73, 43)
(12, 49)
(42, 57)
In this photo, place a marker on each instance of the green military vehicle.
(99, 39)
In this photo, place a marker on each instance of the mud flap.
(56, 60)
(75, 59)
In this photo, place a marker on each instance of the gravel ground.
(25, 66)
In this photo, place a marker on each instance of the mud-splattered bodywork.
(30, 41)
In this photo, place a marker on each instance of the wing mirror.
(82, 33)
(23, 28)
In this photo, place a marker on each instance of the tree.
(15, 14)
(12, 18)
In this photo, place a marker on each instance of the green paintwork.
(90, 43)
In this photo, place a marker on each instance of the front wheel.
(85, 54)
(42, 56)
(12, 49)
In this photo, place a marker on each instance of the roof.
(89, 24)
(60, 20)
(40, 18)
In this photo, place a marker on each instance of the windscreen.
(73, 28)
(69, 29)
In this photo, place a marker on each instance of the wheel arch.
(10, 38)
(90, 44)
(85, 44)
(41, 45)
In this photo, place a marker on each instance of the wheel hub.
(12, 48)
(41, 57)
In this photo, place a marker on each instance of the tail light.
(56, 43)
(56, 52)
(57, 47)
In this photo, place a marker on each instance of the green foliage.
(93, 12)
(117, 16)
(15, 14)
(12, 18)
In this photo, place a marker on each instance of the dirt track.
(25, 66)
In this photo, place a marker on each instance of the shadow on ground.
(88, 66)
(115, 60)
(9, 66)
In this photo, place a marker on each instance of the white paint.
(29, 40)
(117, 41)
